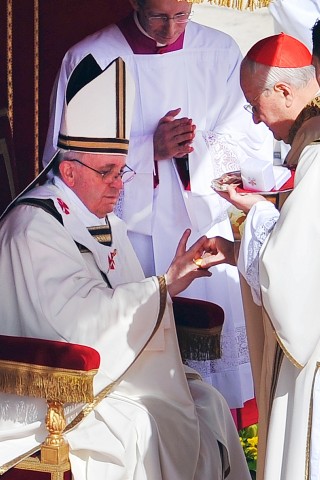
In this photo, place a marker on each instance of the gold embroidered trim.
(102, 233)
(283, 348)
(103, 238)
(121, 98)
(237, 4)
(163, 296)
(106, 145)
(83, 249)
(90, 407)
(308, 445)
(51, 383)
(277, 362)
(9, 62)
(287, 354)
(35, 465)
(36, 86)
(6, 466)
(193, 376)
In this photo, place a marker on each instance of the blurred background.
(244, 26)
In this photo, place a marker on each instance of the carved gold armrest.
(57, 371)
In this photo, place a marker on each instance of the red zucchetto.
(280, 50)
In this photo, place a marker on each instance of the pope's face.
(165, 32)
(98, 193)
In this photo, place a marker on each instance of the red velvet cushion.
(189, 312)
(49, 353)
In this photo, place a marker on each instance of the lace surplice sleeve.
(259, 223)
(224, 153)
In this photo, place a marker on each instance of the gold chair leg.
(55, 449)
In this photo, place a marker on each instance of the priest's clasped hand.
(173, 136)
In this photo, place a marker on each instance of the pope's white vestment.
(202, 79)
(281, 253)
(156, 424)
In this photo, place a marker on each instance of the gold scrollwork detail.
(36, 87)
(9, 62)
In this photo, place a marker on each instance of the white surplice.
(156, 423)
(203, 80)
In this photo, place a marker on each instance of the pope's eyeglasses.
(109, 176)
(160, 20)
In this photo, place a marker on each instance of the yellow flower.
(253, 441)
(251, 452)
(249, 442)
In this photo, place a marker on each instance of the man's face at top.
(165, 31)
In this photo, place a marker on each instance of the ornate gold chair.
(63, 372)
(59, 372)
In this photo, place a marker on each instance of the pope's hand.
(173, 136)
(183, 270)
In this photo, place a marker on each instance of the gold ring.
(198, 262)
